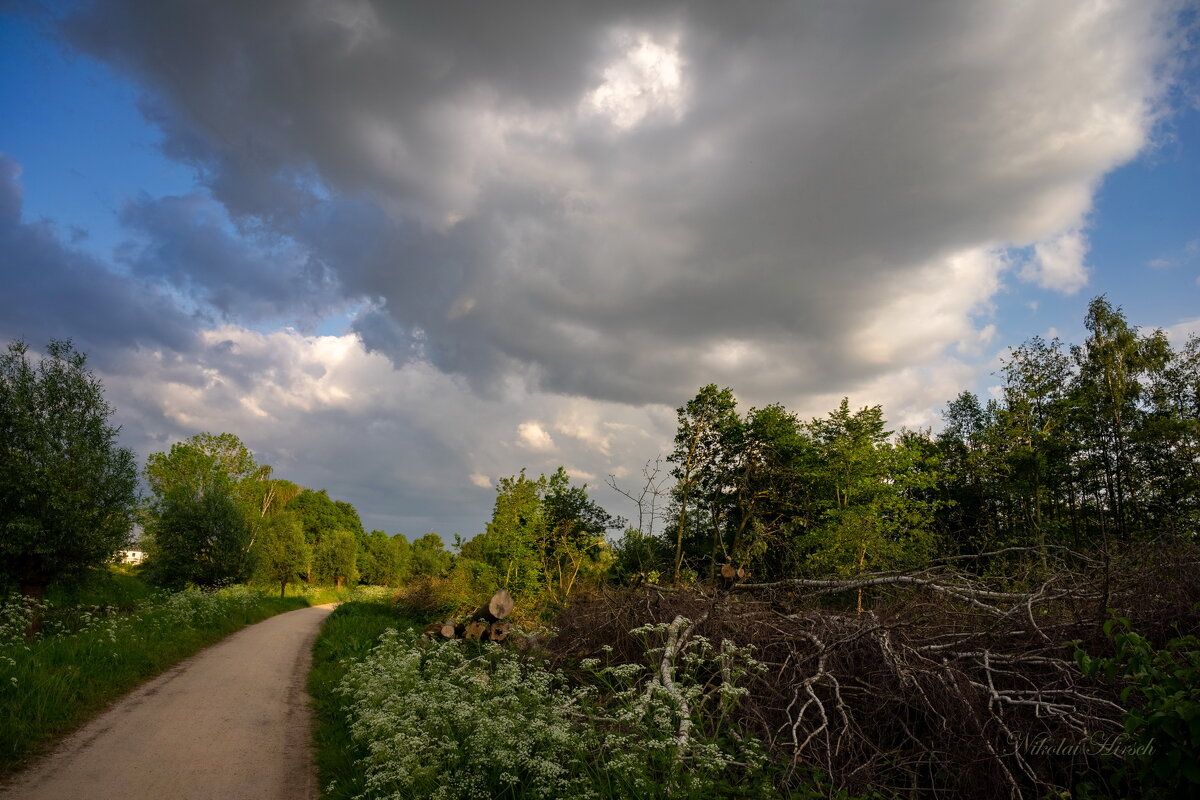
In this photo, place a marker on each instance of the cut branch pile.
(486, 623)
(952, 686)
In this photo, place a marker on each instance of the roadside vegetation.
(86, 656)
(934, 610)
(76, 630)
(1007, 608)
(346, 638)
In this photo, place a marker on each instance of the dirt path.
(231, 722)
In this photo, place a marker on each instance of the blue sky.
(403, 254)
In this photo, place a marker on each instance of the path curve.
(231, 722)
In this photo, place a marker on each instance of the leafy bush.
(1164, 723)
(427, 597)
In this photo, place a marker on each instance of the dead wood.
(499, 606)
(947, 685)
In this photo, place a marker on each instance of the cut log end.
(501, 604)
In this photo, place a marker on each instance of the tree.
(1034, 423)
(322, 516)
(383, 561)
(1112, 363)
(68, 494)
(206, 473)
(516, 535)
(202, 540)
(871, 519)
(335, 558)
(575, 528)
(202, 461)
(706, 424)
(428, 556)
(281, 553)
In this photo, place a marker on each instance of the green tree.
(1112, 364)
(515, 537)
(200, 540)
(1035, 424)
(428, 556)
(871, 518)
(708, 423)
(1169, 442)
(321, 517)
(574, 543)
(280, 551)
(201, 462)
(68, 494)
(402, 558)
(206, 472)
(639, 556)
(335, 558)
(383, 560)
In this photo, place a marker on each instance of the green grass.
(112, 586)
(51, 685)
(349, 633)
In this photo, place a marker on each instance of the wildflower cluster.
(452, 719)
(664, 724)
(439, 723)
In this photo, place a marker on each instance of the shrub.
(1164, 723)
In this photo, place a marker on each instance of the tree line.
(1085, 446)
(69, 499)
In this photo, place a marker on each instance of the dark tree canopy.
(203, 541)
(68, 493)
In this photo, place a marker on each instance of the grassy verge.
(90, 656)
(348, 635)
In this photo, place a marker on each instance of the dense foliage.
(449, 720)
(218, 516)
(68, 494)
(1087, 447)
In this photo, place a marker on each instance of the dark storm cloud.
(627, 200)
(186, 242)
(54, 291)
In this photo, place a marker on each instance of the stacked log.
(485, 623)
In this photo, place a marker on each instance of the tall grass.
(86, 656)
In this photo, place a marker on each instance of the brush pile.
(949, 685)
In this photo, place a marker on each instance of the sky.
(406, 249)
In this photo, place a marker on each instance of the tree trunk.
(34, 590)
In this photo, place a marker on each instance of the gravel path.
(230, 722)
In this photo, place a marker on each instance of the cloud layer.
(556, 220)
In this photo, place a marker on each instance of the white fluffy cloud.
(1059, 263)
(413, 448)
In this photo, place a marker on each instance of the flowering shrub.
(449, 719)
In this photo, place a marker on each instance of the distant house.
(129, 556)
